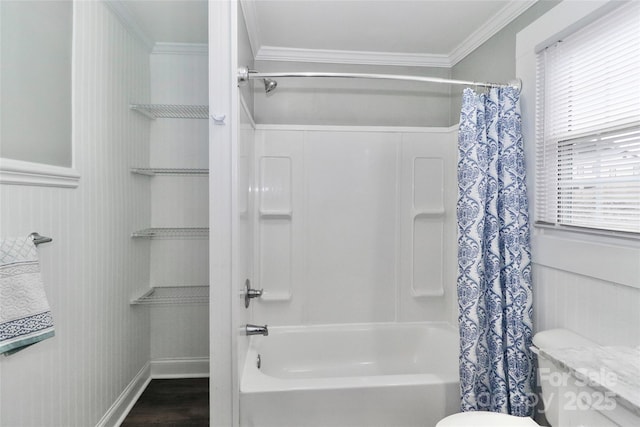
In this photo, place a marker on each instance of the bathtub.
(351, 375)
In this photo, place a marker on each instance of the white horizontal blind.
(588, 126)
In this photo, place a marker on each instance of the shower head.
(270, 85)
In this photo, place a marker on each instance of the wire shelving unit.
(174, 295)
(172, 111)
(172, 233)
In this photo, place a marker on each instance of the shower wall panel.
(246, 227)
(279, 223)
(428, 187)
(350, 239)
(427, 234)
(275, 213)
(355, 224)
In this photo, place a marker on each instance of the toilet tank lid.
(559, 338)
(485, 419)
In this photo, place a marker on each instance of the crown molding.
(180, 48)
(126, 17)
(273, 53)
(497, 22)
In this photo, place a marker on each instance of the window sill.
(601, 236)
(17, 172)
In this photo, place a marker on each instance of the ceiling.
(406, 32)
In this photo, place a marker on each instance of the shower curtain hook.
(516, 84)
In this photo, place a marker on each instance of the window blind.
(588, 126)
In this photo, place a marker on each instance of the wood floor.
(179, 402)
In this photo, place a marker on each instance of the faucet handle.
(250, 293)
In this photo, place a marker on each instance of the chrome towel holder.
(37, 238)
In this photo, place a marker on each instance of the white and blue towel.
(25, 316)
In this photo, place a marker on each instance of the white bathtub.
(351, 375)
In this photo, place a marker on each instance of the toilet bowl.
(556, 338)
(488, 419)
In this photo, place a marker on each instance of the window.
(588, 126)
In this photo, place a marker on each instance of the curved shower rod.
(244, 74)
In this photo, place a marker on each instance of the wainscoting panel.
(92, 267)
(605, 312)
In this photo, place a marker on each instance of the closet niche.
(178, 233)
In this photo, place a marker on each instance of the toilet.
(488, 419)
(555, 338)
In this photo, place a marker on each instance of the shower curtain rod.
(244, 74)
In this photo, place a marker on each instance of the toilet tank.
(549, 375)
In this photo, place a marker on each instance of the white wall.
(92, 268)
(360, 102)
(586, 283)
(179, 330)
(494, 61)
(356, 102)
(354, 224)
(225, 275)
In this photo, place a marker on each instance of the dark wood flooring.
(179, 402)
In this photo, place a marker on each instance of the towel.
(25, 316)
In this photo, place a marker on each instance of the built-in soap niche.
(427, 232)
(275, 227)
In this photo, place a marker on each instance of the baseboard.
(188, 367)
(129, 396)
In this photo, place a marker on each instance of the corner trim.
(187, 367)
(18, 172)
(116, 414)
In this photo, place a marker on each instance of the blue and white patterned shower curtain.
(494, 271)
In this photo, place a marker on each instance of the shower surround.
(354, 224)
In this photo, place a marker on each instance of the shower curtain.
(494, 271)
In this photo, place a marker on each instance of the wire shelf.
(172, 232)
(172, 111)
(174, 295)
(169, 171)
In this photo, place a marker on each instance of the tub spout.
(257, 330)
